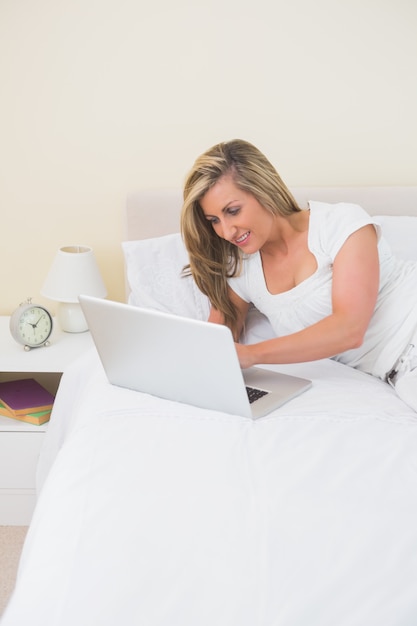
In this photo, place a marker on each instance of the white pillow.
(401, 233)
(154, 274)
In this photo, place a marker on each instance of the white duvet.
(160, 514)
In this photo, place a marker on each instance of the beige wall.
(102, 97)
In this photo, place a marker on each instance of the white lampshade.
(74, 271)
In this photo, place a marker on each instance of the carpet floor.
(11, 543)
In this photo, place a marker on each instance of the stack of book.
(26, 400)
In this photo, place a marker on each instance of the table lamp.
(74, 271)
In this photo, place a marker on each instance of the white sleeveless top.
(395, 315)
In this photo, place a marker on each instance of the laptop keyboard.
(255, 394)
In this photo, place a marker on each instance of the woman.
(324, 277)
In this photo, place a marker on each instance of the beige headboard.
(152, 213)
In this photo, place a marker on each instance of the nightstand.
(20, 443)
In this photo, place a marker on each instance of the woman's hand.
(244, 353)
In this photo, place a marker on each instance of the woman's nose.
(227, 231)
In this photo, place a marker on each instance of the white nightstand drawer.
(19, 454)
(20, 443)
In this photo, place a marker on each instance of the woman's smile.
(243, 239)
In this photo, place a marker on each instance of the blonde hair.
(212, 259)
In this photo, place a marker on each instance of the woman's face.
(237, 216)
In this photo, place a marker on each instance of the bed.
(155, 513)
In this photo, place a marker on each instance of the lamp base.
(71, 318)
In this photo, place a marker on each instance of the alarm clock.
(31, 325)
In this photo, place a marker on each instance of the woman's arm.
(354, 292)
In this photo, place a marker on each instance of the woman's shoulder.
(338, 210)
(332, 224)
(249, 277)
(251, 264)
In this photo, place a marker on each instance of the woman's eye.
(233, 210)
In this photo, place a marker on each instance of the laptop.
(182, 359)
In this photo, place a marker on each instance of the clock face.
(34, 326)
